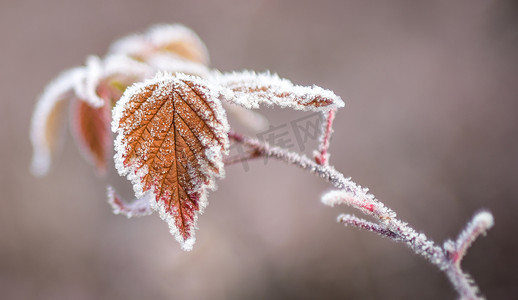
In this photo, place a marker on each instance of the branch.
(478, 226)
(351, 220)
(455, 252)
(446, 258)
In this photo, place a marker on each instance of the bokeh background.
(430, 126)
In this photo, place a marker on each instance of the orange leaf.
(91, 127)
(171, 135)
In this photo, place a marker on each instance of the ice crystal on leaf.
(171, 137)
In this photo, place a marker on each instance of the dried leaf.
(250, 89)
(171, 135)
(91, 128)
(47, 119)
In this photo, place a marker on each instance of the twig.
(322, 155)
(446, 258)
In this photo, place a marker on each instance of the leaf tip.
(40, 163)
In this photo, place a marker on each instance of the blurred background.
(430, 126)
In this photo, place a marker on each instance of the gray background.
(429, 125)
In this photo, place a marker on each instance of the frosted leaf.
(135, 46)
(250, 90)
(168, 39)
(176, 38)
(171, 135)
(47, 118)
(91, 130)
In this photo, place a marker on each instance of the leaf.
(173, 39)
(47, 119)
(91, 128)
(250, 89)
(171, 135)
(180, 40)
